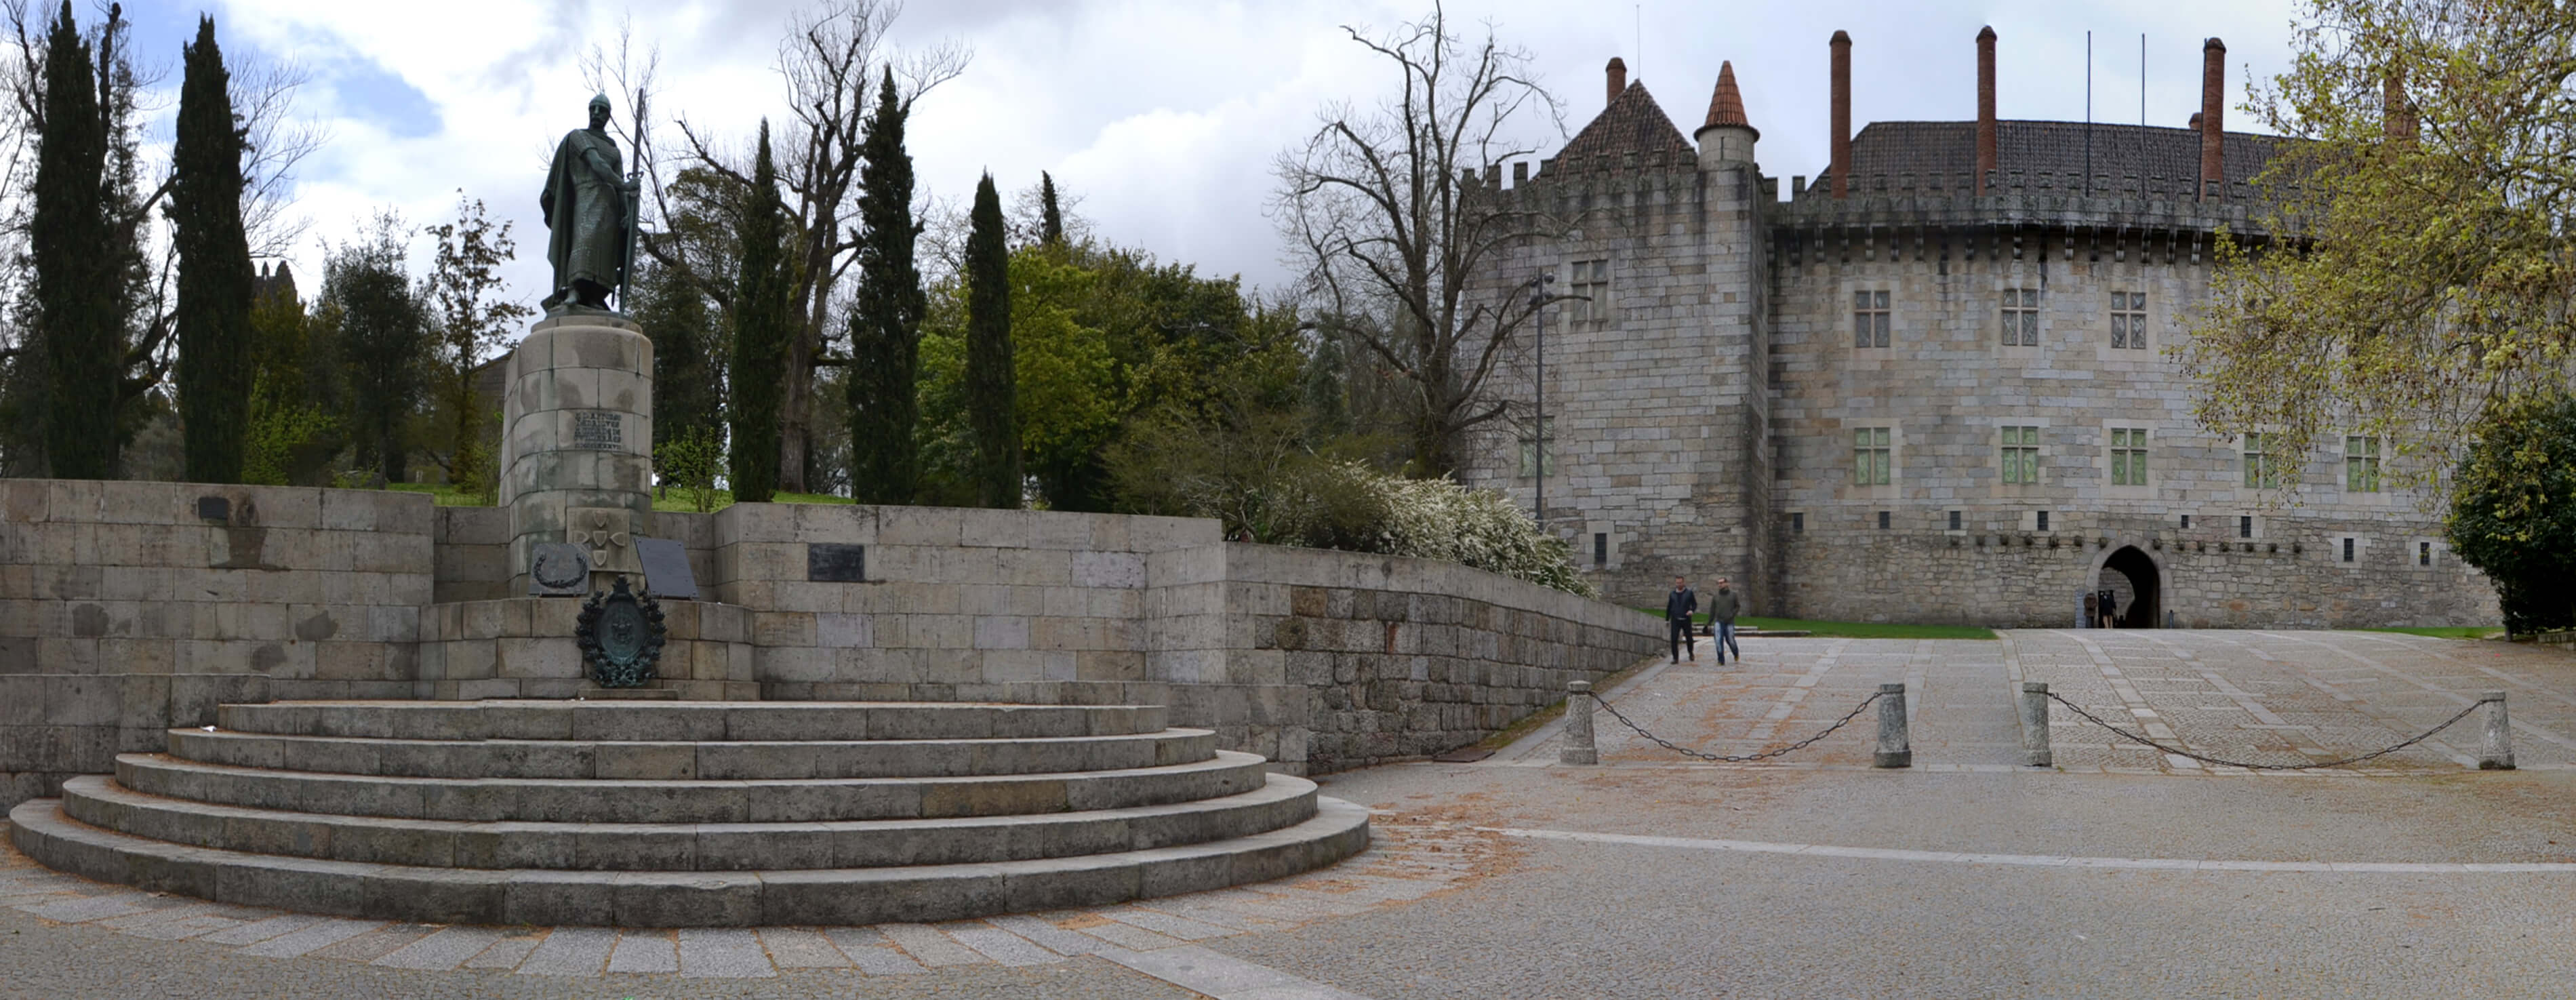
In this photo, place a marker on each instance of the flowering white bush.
(1441, 519)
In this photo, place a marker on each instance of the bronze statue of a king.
(589, 206)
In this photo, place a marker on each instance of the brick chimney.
(2396, 110)
(1841, 165)
(1618, 71)
(1985, 105)
(2213, 117)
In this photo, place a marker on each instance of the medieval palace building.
(1932, 385)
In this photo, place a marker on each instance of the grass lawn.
(446, 495)
(1848, 630)
(2448, 631)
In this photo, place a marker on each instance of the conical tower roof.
(1726, 106)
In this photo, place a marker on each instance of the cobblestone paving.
(2255, 697)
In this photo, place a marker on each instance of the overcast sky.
(1163, 116)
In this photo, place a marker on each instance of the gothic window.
(1591, 287)
(2260, 470)
(2128, 456)
(2021, 317)
(2129, 320)
(2021, 455)
(2361, 464)
(1869, 456)
(1869, 319)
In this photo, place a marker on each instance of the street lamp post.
(1538, 465)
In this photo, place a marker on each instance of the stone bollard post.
(1894, 750)
(1579, 748)
(2498, 755)
(2034, 724)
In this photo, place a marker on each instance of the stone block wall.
(127, 608)
(1326, 661)
(950, 596)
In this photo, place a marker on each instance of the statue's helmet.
(599, 102)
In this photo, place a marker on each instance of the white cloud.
(1164, 115)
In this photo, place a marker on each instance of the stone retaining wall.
(130, 607)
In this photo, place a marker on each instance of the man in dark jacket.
(1678, 606)
(1722, 607)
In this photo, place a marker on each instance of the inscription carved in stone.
(601, 430)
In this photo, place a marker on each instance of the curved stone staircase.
(686, 814)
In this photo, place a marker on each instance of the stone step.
(825, 896)
(1282, 802)
(557, 800)
(687, 721)
(589, 759)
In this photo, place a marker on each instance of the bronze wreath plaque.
(620, 634)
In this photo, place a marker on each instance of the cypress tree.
(1050, 218)
(885, 321)
(760, 330)
(213, 312)
(991, 392)
(76, 283)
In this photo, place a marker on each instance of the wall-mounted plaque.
(828, 563)
(604, 430)
(666, 569)
(620, 635)
(558, 570)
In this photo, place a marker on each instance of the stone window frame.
(2353, 550)
(1534, 444)
(2361, 468)
(1591, 306)
(1873, 454)
(2019, 444)
(2020, 315)
(1604, 539)
(2264, 474)
(2425, 552)
(2128, 320)
(2115, 465)
(1873, 316)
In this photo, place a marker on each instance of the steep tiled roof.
(1634, 122)
(2052, 148)
(1726, 106)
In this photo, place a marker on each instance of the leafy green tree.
(78, 314)
(2513, 510)
(213, 312)
(474, 324)
(761, 325)
(991, 379)
(2412, 264)
(689, 348)
(885, 318)
(381, 333)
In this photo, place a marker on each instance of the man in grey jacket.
(1722, 607)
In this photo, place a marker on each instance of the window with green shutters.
(2128, 456)
(2261, 472)
(1869, 456)
(2021, 455)
(2361, 464)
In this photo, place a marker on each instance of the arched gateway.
(2137, 586)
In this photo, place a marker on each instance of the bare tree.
(1396, 247)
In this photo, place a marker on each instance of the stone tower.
(1655, 400)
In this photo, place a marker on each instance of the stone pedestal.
(577, 443)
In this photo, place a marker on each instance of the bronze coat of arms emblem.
(620, 634)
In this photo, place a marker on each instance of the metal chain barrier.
(1742, 758)
(2206, 759)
